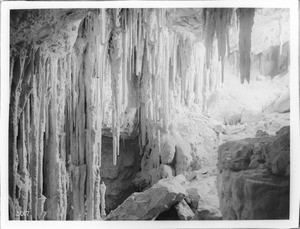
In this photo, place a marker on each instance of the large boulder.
(253, 194)
(253, 179)
(149, 204)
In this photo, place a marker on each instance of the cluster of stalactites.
(146, 53)
(140, 54)
(217, 22)
(162, 64)
(126, 48)
(158, 77)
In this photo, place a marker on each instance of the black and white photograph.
(150, 114)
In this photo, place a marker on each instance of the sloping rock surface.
(149, 204)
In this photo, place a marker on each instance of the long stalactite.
(245, 16)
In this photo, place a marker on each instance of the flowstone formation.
(108, 106)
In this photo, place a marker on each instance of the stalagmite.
(102, 194)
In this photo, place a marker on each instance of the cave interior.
(143, 114)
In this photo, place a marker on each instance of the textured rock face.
(150, 203)
(253, 182)
(56, 29)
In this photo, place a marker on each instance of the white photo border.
(294, 114)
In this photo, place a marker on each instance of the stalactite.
(217, 22)
(103, 25)
(97, 195)
(116, 74)
(280, 36)
(245, 16)
(102, 194)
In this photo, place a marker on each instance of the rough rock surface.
(253, 179)
(56, 29)
(149, 204)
